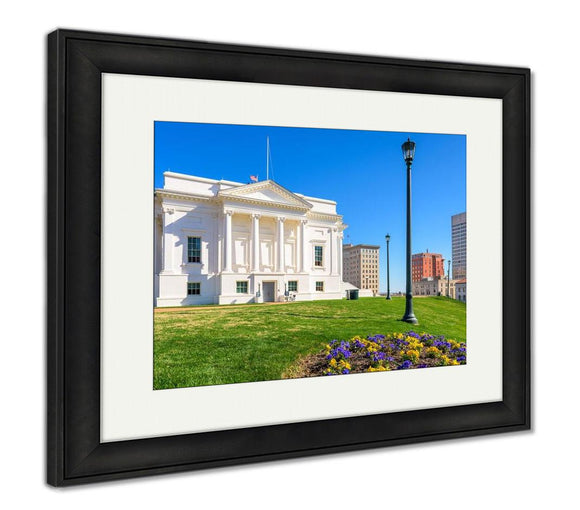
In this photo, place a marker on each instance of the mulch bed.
(395, 351)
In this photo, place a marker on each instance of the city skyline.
(363, 171)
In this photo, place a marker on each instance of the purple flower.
(405, 365)
(378, 356)
(441, 344)
(338, 352)
(345, 371)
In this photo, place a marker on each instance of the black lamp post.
(408, 154)
(388, 238)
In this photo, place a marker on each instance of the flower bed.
(379, 353)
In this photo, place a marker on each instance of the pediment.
(267, 193)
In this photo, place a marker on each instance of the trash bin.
(352, 294)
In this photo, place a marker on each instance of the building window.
(319, 286)
(194, 249)
(293, 286)
(193, 288)
(242, 287)
(318, 256)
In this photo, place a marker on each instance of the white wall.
(515, 470)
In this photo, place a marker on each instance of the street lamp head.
(408, 150)
(388, 237)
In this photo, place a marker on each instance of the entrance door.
(269, 291)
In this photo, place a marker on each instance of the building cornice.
(359, 246)
(323, 216)
(179, 195)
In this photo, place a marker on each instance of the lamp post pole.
(448, 281)
(408, 154)
(388, 238)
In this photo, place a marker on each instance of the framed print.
(260, 253)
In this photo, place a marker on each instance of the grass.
(213, 345)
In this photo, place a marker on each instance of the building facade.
(361, 266)
(435, 287)
(459, 245)
(461, 290)
(224, 242)
(426, 265)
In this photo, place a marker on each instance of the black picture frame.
(75, 62)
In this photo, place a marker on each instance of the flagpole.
(267, 158)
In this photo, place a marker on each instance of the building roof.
(191, 187)
(353, 246)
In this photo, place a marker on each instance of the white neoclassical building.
(225, 242)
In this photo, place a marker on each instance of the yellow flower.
(411, 355)
(432, 352)
(343, 364)
(333, 362)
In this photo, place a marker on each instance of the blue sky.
(363, 171)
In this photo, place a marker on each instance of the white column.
(281, 266)
(339, 246)
(302, 248)
(228, 242)
(167, 242)
(255, 242)
(332, 246)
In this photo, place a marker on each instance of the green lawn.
(201, 346)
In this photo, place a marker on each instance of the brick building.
(427, 265)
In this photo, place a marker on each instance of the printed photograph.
(289, 252)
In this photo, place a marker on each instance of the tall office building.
(459, 245)
(427, 265)
(361, 266)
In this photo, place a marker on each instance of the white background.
(525, 470)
